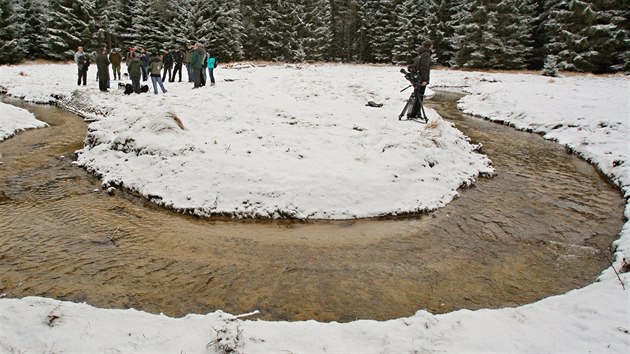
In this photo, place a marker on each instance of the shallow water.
(532, 231)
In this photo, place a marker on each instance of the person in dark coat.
(178, 59)
(422, 66)
(134, 68)
(195, 65)
(102, 66)
(145, 58)
(167, 61)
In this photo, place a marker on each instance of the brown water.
(512, 239)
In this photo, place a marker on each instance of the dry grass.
(177, 120)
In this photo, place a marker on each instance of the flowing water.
(541, 226)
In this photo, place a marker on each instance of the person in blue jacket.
(212, 63)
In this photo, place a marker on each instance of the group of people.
(157, 66)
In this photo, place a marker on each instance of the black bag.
(128, 89)
(144, 88)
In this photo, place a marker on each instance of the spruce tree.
(442, 32)
(345, 24)
(314, 29)
(69, 27)
(34, 30)
(181, 29)
(513, 31)
(380, 30)
(11, 50)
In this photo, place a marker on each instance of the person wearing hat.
(178, 59)
(422, 66)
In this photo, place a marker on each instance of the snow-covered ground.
(14, 119)
(304, 133)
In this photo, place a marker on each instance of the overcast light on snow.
(298, 141)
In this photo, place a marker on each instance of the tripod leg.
(406, 108)
(424, 114)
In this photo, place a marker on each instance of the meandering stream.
(535, 229)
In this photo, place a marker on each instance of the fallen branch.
(611, 265)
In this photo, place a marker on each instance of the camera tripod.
(422, 115)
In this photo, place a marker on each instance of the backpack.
(144, 88)
(128, 89)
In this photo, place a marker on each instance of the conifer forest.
(574, 35)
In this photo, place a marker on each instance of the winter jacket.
(145, 59)
(168, 60)
(82, 59)
(155, 67)
(134, 68)
(102, 65)
(422, 64)
(115, 59)
(188, 56)
(196, 58)
(178, 56)
(211, 62)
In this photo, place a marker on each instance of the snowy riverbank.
(588, 114)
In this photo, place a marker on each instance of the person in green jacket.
(195, 65)
(134, 68)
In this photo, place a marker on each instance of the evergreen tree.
(277, 31)
(589, 36)
(378, 30)
(416, 22)
(34, 31)
(221, 29)
(69, 27)
(145, 26)
(493, 35)
(442, 32)
(10, 44)
(315, 29)
(124, 35)
(513, 31)
(101, 25)
(181, 29)
(345, 24)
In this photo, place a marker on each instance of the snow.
(14, 119)
(134, 139)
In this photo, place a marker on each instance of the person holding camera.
(422, 67)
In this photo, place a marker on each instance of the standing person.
(155, 68)
(130, 56)
(422, 66)
(212, 63)
(102, 66)
(145, 58)
(204, 63)
(178, 58)
(187, 60)
(167, 59)
(83, 62)
(195, 65)
(116, 59)
(134, 68)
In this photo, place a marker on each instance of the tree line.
(589, 36)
